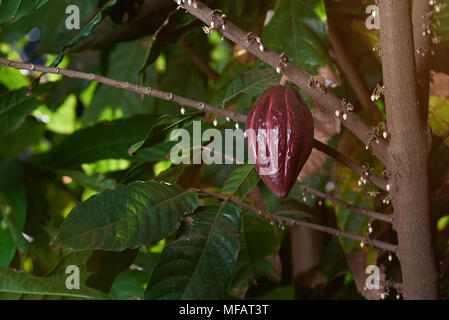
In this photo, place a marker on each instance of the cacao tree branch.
(333, 153)
(409, 147)
(365, 212)
(295, 74)
(381, 183)
(291, 222)
(168, 96)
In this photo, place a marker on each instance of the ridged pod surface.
(280, 137)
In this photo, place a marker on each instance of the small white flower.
(337, 113)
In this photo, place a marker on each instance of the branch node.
(314, 81)
(282, 62)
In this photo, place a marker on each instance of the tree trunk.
(409, 147)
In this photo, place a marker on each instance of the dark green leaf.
(242, 181)
(78, 259)
(298, 28)
(160, 129)
(12, 195)
(106, 265)
(18, 284)
(199, 264)
(252, 83)
(14, 107)
(129, 284)
(259, 242)
(137, 214)
(13, 10)
(102, 141)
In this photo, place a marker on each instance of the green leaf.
(26, 136)
(12, 194)
(252, 83)
(199, 264)
(24, 285)
(129, 216)
(13, 10)
(242, 181)
(107, 140)
(259, 242)
(298, 28)
(161, 128)
(14, 107)
(129, 284)
(106, 265)
(78, 259)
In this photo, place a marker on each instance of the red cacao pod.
(280, 137)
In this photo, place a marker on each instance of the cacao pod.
(280, 137)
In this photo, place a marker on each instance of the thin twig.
(376, 180)
(365, 212)
(168, 96)
(287, 221)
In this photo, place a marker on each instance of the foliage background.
(65, 167)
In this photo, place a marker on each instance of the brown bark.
(423, 43)
(409, 150)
